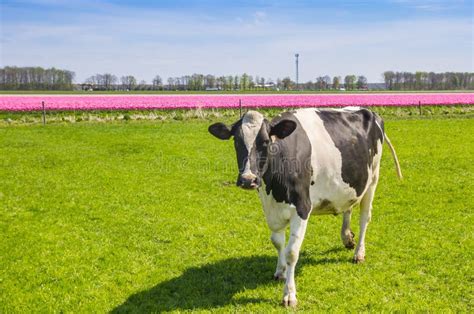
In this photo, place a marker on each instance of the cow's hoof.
(358, 259)
(350, 244)
(348, 240)
(289, 301)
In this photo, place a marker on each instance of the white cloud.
(430, 5)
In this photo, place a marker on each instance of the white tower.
(296, 56)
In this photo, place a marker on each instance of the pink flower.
(126, 102)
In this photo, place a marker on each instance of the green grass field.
(144, 216)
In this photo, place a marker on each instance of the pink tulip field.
(138, 102)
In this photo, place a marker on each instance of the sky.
(174, 38)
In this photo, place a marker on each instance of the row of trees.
(109, 81)
(351, 82)
(35, 78)
(428, 80)
(196, 81)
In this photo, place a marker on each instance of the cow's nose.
(248, 181)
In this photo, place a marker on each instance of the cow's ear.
(220, 130)
(283, 128)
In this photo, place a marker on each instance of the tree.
(327, 81)
(319, 83)
(91, 80)
(349, 82)
(361, 82)
(335, 82)
(157, 82)
(221, 82)
(244, 81)
(389, 77)
(128, 82)
(108, 81)
(34, 78)
(196, 82)
(236, 82)
(309, 85)
(230, 82)
(251, 82)
(210, 81)
(170, 81)
(142, 85)
(287, 83)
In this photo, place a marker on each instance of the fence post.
(419, 107)
(44, 114)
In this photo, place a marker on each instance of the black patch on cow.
(355, 134)
(325, 204)
(288, 174)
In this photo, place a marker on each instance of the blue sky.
(174, 38)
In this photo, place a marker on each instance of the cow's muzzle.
(248, 181)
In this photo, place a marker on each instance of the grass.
(72, 116)
(144, 216)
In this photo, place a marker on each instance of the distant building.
(376, 86)
(266, 85)
(84, 87)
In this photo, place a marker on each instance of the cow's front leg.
(292, 251)
(347, 236)
(278, 240)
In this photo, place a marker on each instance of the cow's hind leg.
(278, 240)
(365, 215)
(347, 236)
(292, 251)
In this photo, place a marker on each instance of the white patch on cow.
(381, 130)
(343, 109)
(373, 168)
(277, 214)
(326, 162)
(350, 108)
(292, 252)
(251, 124)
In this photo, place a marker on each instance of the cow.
(309, 161)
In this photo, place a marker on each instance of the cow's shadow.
(211, 286)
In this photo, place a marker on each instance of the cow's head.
(253, 140)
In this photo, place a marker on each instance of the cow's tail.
(394, 155)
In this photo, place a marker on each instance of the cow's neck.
(276, 176)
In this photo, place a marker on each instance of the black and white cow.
(309, 161)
